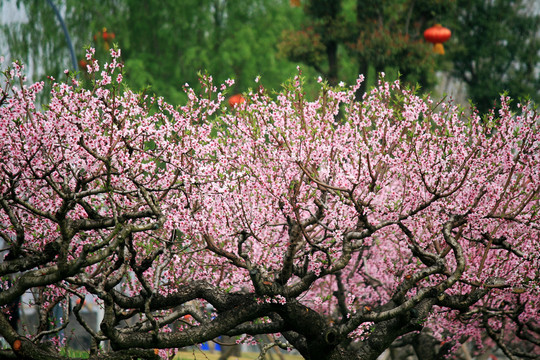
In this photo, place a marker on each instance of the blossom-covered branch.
(343, 225)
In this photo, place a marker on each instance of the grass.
(196, 355)
(205, 355)
(82, 354)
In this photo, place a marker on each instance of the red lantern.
(107, 36)
(17, 344)
(235, 100)
(437, 35)
(84, 64)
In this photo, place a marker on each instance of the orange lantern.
(236, 99)
(17, 344)
(84, 63)
(107, 36)
(295, 3)
(437, 35)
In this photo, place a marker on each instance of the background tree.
(229, 39)
(34, 35)
(374, 35)
(390, 36)
(272, 217)
(495, 47)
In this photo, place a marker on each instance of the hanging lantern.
(437, 35)
(295, 3)
(235, 100)
(17, 344)
(107, 36)
(83, 64)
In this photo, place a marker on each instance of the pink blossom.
(161, 211)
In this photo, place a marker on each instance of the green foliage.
(303, 46)
(73, 353)
(367, 37)
(164, 43)
(494, 46)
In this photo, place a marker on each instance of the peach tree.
(339, 226)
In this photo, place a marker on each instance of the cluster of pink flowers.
(372, 185)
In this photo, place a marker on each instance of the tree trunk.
(363, 70)
(333, 66)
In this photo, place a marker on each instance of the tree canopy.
(494, 46)
(273, 217)
(369, 34)
(496, 49)
(165, 43)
